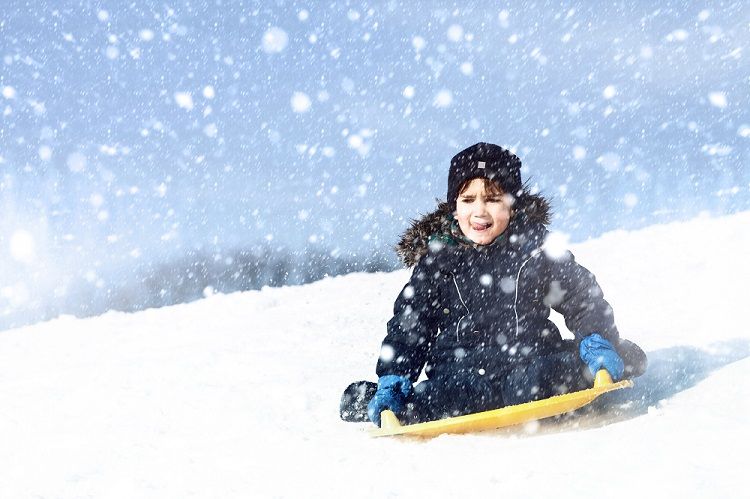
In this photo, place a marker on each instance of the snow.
(210, 130)
(455, 33)
(609, 91)
(237, 395)
(274, 40)
(184, 100)
(718, 99)
(444, 98)
(209, 92)
(112, 52)
(630, 200)
(300, 102)
(45, 153)
(22, 246)
(9, 92)
(599, 103)
(467, 68)
(146, 35)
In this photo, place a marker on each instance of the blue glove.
(599, 353)
(391, 394)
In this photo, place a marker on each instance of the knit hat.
(484, 160)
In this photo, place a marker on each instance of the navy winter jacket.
(485, 309)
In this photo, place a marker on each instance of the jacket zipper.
(534, 253)
(462, 303)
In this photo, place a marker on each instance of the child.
(475, 312)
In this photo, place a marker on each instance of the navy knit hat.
(484, 160)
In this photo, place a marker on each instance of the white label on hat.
(481, 164)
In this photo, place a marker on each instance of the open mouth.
(480, 227)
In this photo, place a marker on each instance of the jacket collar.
(438, 231)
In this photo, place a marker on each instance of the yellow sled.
(506, 416)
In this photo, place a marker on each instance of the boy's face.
(482, 215)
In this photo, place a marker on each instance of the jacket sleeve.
(413, 326)
(574, 293)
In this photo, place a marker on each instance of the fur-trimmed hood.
(530, 209)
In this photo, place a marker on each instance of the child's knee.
(455, 394)
(543, 377)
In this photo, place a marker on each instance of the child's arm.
(412, 328)
(574, 293)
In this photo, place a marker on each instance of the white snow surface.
(237, 395)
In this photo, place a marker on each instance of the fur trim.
(414, 243)
(536, 208)
(415, 240)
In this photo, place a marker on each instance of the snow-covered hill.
(237, 395)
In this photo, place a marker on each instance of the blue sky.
(130, 134)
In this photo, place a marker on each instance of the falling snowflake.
(556, 244)
(630, 200)
(718, 99)
(455, 33)
(300, 102)
(609, 91)
(76, 162)
(22, 246)
(443, 98)
(274, 40)
(184, 100)
(45, 153)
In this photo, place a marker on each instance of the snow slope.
(237, 395)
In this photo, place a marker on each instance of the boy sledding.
(475, 312)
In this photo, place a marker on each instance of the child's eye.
(494, 200)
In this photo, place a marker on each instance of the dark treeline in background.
(198, 274)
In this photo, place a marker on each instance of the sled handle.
(388, 420)
(602, 378)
